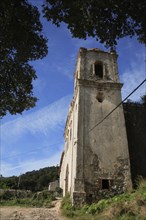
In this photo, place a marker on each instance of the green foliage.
(10, 194)
(107, 21)
(59, 190)
(127, 206)
(66, 202)
(41, 199)
(130, 217)
(44, 195)
(143, 99)
(34, 180)
(66, 206)
(98, 207)
(21, 41)
(6, 195)
(9, 183)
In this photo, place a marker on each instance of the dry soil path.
(20, 213)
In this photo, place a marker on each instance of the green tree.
(21, 41)
(9, 182)
(143, 99)
(106, 20)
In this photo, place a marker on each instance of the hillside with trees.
(36, 180)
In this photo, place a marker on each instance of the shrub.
(41, 199)
(127, 206)
(141, 184)
(66, 206)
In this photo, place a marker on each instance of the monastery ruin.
(95, 162)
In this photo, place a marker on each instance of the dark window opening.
(90, 195)
(105, 184)
(70, 134)
(99, 70)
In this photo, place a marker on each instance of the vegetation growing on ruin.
(130, 206)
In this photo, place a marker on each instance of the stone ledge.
(99, 85)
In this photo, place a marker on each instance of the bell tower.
(102, 160)
(95, 162)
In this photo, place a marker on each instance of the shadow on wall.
(135, 119)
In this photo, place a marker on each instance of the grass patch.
(66, 206)
(127, 206)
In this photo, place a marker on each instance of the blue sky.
(34, 139)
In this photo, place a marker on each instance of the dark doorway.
(66, 179)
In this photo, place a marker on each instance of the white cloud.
(133, 76)
(7, 169)
(41, 121)
(70, 68)
(32, 135)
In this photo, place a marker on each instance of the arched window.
(98, 68)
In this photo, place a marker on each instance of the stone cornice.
(99, 85)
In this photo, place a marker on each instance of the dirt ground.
(21, 213)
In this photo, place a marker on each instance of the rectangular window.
(105, 184)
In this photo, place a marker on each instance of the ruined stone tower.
(95, 161)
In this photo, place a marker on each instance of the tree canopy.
(106, 20)
(143, 99)
(21, 41)
(35, 180)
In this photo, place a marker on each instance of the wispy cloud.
(41, 121)
(21, 167)
(133, 76)
(32, 136)
(69, 71)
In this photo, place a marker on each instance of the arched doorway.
(66, 179)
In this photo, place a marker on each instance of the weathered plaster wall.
(70, 148)
(108, 140)
(53, 185)
(101, 155)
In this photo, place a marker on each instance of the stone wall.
(135, 118)
(12, 193)
(117, 180)
(53, 185)
(79, 198)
